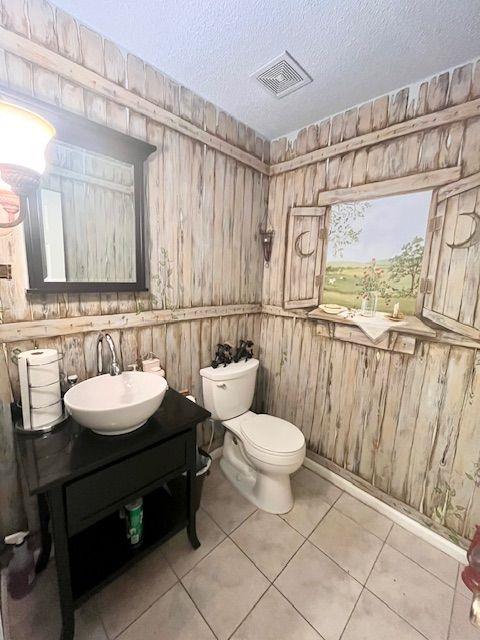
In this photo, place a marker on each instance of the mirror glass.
(87, 216)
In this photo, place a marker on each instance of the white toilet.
(260, 451)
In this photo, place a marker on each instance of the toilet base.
(269, 492)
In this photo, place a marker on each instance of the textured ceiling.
(353, 49)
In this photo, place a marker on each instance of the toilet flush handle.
(222, 386)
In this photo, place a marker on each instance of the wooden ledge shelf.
(401, 337)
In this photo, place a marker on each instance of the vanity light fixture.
(24, 137)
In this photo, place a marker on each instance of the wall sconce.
(266, 236)
(24, 136)
(267, 242)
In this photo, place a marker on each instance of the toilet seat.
(272, 439)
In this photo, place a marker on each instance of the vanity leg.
(191, 527)
(45, 537)
(63, 563)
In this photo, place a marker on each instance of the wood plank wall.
(205, 204)
(405, 424)
(204, 207)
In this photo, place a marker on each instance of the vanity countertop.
(72, 451)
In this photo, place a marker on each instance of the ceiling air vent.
(282, 75)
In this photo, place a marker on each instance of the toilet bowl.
(260, 451)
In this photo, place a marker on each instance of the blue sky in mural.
(389, 223)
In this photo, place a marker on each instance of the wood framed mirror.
(85, 225)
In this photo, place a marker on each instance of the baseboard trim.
(422, 532)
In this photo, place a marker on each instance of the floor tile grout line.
(421, 566)
(362, 590)
(459, 569)
(386, 603)
(365, 528)
(242, 522)
(322, 552)
(236, 526)
(288, 600)
(252, 561)
(296, 552)
(225, 536)
(363, 504)
(253, 606)
(363, 586)
(396, 612)
(199, 612)
(383, 542)
(274, 586)
(115, 637)
(291, 525)
(250, 611)
(204, 558)
(451, 615)
(330, 507)
(341, 568)
(97, 612)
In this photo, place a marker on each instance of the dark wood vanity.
(82, 479)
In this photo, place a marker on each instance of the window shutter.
(305, 257)
(451, 278)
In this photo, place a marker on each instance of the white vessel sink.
(113, 405)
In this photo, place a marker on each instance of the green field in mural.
(342, 286)
(376, 246)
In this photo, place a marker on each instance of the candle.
(396, 309)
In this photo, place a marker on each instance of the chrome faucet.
(115, 369)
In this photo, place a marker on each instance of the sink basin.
(113, 405)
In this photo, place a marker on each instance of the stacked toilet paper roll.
(40, 387)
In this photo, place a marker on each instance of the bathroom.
(239, 284)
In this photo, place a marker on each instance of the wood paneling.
(402, 422)
(204, 207)
(305, 256)
(454, 262)
(40, 329)
(206, 194)
(91, 76)
(423, 123)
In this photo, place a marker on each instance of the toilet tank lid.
(231, 371)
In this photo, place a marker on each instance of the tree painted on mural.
(391, 229)
(344, 225)
(407, 265)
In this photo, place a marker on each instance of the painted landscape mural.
(376, 246)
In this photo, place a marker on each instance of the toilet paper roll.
(41, 417)
(39, 386)
(44, 396)
(42, 366)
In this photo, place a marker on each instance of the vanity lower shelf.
(102, 552)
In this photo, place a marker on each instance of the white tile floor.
(331, 569)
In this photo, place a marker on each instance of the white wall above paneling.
(353, 49)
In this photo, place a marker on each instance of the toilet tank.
(228, 391)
